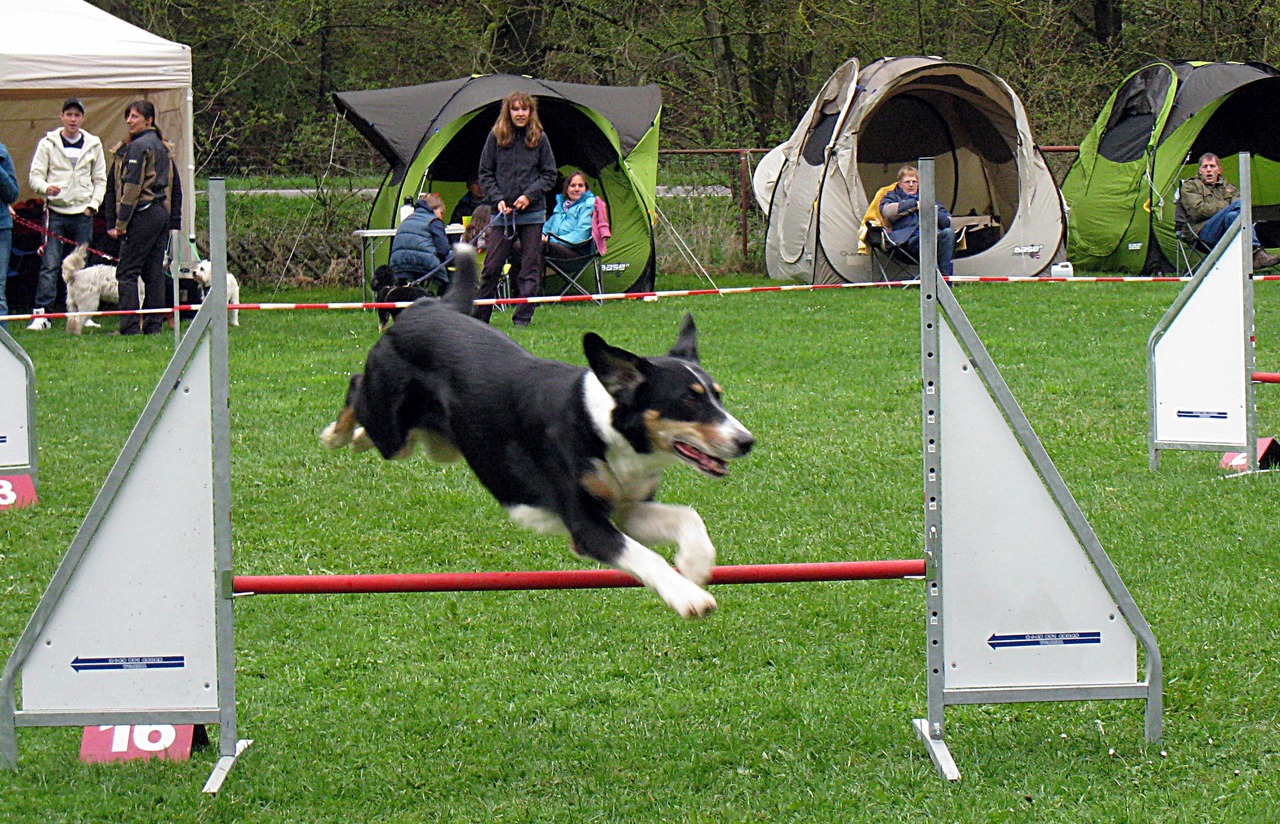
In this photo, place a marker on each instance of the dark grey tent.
(432, 134)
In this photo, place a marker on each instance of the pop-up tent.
(866, 124)
(432, 134)
(55, 49)
(1148, 138)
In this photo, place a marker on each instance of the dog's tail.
(74, 262)
(464, 285)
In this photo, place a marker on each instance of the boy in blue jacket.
(421, 245)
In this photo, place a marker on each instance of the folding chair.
(1189, 243)
(573, 269)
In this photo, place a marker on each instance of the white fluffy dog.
(204, 276)
(88, 286)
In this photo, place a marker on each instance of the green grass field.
(791, 703)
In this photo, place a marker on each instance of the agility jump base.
(1021, 602)
(1200, 354)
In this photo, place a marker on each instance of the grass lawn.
(791, 703)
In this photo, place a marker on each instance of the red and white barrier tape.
(645, 296)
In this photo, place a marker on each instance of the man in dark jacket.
(8, 195)
(901, 210)
(1212, 204)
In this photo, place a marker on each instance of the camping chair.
(873, 240)
(573, 269)
(1189, 243)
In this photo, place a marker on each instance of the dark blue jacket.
(420, 244)
(907, 226)
(8, 193)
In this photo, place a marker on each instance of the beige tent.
(866, 123)
(55, 49)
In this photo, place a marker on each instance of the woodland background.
(734, 74)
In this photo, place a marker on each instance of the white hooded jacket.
(83, 183)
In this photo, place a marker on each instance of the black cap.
(73, 103)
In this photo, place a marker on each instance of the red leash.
(36, 226)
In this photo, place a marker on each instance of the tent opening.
(1235, 126)
(974, 165)
(572, 134)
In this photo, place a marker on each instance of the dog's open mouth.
(704, 463)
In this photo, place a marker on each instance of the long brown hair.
(505, 131)
(146, 109)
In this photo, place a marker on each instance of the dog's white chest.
(624, 474)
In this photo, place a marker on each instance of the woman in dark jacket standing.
(517, 170)
(137, 210)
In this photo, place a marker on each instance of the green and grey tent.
(863, 125)
(432, 134)
(1147, 139)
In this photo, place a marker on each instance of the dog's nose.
(744, 442)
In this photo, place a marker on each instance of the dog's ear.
(620, 371)
(686, 346)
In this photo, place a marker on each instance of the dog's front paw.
(688, 599)
(335, 438)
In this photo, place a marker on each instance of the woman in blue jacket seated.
(567, 231)
(420, 244)
(901, 210)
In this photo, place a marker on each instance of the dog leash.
(508, 224)
(22, 221)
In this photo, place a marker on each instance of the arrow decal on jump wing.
(1044, 639)
(134, 662)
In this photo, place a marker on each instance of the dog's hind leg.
(655, 523)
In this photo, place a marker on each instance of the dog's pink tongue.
(708, 464)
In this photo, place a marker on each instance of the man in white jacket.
(69, 171)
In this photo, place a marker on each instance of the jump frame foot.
(937, 750)
(224, 765)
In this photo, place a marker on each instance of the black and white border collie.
(562, 448)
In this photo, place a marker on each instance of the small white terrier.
(88, 286)
(204, 276)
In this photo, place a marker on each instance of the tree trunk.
(1107, 21)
